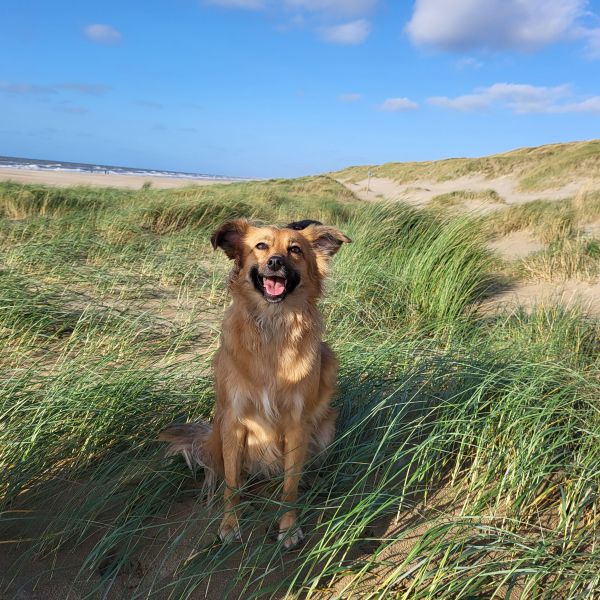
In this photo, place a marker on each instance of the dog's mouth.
(274, 288)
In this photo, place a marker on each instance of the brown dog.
(274, 377)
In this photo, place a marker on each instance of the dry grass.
(458, 198)
(547, 220)
(564, 260)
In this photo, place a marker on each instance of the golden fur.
(274, 377)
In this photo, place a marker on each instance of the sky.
(278, 88)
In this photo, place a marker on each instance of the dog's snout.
(275, 262)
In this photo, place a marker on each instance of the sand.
(419, 193)
(66, 178)
(571, 294)
(515, 245)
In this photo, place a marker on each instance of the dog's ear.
(229, 237)
(326, 240)
(300, 225)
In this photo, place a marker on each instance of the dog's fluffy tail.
(192, 441)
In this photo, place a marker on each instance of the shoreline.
(67, 178)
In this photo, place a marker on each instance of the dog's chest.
(273, 364)
(277, 379)
(277, 354)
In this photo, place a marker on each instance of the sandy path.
(568, 294)
(517, 244)
(421, 192)
(62, 178)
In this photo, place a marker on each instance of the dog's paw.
(291, 537)
(230, 532)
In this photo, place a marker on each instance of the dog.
(274, 376)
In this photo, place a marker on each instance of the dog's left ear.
(229, 237)
(326, 240)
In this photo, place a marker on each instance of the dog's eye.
(295, 249)
(261, 246)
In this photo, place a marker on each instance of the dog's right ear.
(229, 237)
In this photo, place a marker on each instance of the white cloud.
(398, 104)
(103, 34)
(592, 37)
(354, 32)
(342, 8)
(150, 104)
(338, 8)
(521, 99)
(591, 104)
(74, 110)
(336, 21)
(7, 87)
(493, 24)
(246, 4)
(349, 97)
(89, 89)
(468, 62)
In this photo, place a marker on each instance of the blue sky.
(290, 87)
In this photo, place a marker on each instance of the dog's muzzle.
(276, 280)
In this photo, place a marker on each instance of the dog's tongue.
(274, 286)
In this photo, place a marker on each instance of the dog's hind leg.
(324, 431)
(325, 416)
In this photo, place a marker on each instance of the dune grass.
(566, 227)
(549, 221)
(564, 259)
(467, 459)
(458, 199)
(539, 168)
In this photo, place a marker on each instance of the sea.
(34, 164)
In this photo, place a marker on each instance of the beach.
(68, 178)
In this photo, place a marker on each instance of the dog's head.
(278, 264)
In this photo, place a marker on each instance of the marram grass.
(467, 459)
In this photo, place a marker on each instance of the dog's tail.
(193, 442)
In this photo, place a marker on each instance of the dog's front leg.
(233, 436)
(293, 461)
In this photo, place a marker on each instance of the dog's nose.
(275, 262)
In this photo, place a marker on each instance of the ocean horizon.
(35, 164)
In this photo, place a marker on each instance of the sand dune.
(421, 192)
